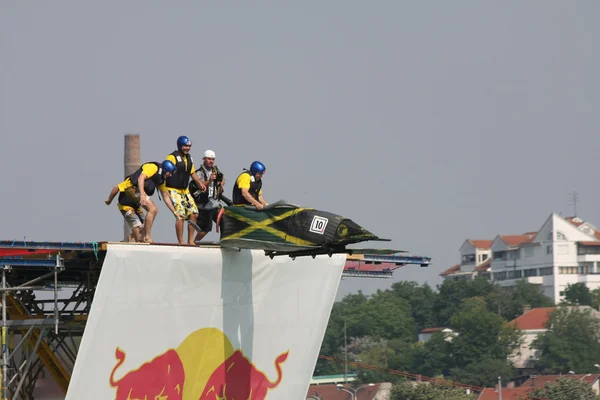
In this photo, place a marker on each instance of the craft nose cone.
(350, 231)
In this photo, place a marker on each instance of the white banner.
(170, 322)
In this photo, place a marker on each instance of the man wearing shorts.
(134, 196)
(177, 195)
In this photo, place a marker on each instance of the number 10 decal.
(318, 224)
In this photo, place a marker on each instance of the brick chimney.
(526, 309)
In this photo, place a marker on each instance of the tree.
(481, 334)
(431, 358)
(566, 388)
(509, 301)
(484, 342)
(429, 391)
(572, 342)
(421, 300)
(578, 294)
(452, 293)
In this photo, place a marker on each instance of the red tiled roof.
(428, 330)
(481, 244)
(507, 393)
(451, 270)
(484, 266)
(540, 380)
(515, 240)
(533, 319)
(330, 392)
(576, 223)
(589, 243)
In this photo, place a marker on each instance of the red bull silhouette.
(162, 378)
(237, 378)
(204, 366)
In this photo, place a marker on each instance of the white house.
(427, 333)
(563, 251)
(532, 323)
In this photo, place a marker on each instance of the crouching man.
(134, 197)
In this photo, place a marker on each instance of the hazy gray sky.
(426, 122)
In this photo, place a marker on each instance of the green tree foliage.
(482, 334)
(421, 300)
(566, 388)
(509, 301)
(431, 358)
(429, 391)
(382, 331)
(452, 293)
(578, 294)
(572, 342)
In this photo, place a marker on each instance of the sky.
(425, 122)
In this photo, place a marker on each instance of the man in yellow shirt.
(248, 187)
(177, 195)
(134, 194)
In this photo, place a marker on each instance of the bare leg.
(152, 210)
(135, 235)
(191, 230)
(179, 230)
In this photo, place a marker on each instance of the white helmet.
(209, 154)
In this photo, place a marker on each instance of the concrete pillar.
(131, 162)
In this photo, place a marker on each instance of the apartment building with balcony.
(563, 251)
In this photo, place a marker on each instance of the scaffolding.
(40, 334)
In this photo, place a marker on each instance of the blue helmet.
(257, 167)
(183, 141)
(168, 166)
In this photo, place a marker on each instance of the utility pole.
(499, 388)
(345, 355)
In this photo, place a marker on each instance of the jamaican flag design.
(290, 225)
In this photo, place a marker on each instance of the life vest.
(212, 189)
(150, 183)
(255, 187)
(181, 178)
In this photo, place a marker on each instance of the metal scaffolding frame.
(45, 330)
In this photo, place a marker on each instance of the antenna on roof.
(574, 198)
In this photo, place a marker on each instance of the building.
(532, 323)
(475, 261)
(563, 251)
(427, 333)
(538, 382)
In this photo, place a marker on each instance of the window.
(585, 269)
(514, 274)
(568, 270)
(530, 272)
(468, 259)
(550, 236)
(560, 236)
(588, 249)
(546, 271)
(549, 249)
(484, 257)
(500, 276)
(499, 255)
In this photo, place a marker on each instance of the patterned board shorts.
(133, 216)
(183, 202)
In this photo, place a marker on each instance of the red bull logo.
(205, 366)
